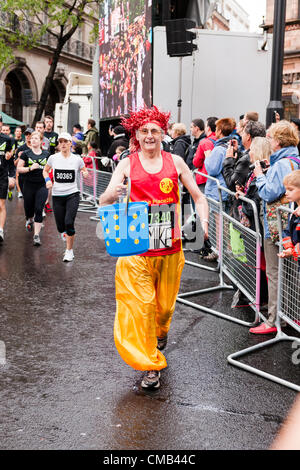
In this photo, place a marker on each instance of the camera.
(262, 164)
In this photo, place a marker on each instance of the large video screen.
(125, 40)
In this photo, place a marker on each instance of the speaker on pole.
(180, 38)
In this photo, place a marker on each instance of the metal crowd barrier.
(242, 270)
(92, 187)
(288, 310)
(214, 214)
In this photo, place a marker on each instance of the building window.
(290, 109)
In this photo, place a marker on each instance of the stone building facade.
(291, 67)
(21, 83)
(228, 15)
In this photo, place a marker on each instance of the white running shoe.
(69, 255)
(20, 195)
(1, 235)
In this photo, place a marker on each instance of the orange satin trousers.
(146, 292)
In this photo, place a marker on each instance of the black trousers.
(35, 196)
(65, 209)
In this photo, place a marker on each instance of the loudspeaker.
(179, 38)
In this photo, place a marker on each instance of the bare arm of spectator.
(289, 435)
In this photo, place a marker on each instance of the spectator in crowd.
(285, 158)
(214, 162)
(198, 134)
(91, 135)
(78, 134)
(251, 116)
(180, 140)
(214, 167)
(166, 142)
(296, 123)
(288, 437)
(291, 240)
(119, 151)
(50, 134)
(119, 139)
(205, 146)
(260, 150)
(236, 163)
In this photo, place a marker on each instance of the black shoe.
(151, 380)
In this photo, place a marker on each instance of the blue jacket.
(214, 166)
(270, 185)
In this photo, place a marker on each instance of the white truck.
(228, 75)
(78, 104)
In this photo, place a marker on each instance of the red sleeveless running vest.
(161, 191)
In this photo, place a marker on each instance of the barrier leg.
(232, 359)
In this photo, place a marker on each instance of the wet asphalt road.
(64, 385)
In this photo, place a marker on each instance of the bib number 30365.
(64, 176)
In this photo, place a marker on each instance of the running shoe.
(63, 236)
(68, 256)
(36, 240)
(48, 208)
(20, 195)
(29, 225)
(151, 380)
(9, 195)
(1, 235)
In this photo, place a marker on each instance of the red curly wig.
(139, 118)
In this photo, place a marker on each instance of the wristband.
(47, 179)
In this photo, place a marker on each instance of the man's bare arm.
(116, 186)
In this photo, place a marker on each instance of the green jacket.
(91, 135)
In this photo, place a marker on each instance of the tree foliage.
(24, 23)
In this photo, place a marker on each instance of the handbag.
(237, 244)
(125, 227)
(271, 213)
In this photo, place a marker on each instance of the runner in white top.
(65, 191)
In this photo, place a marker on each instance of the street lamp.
(275, 104)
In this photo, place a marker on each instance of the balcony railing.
(73, 47)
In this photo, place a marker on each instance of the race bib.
(64, 176)
(161, 225)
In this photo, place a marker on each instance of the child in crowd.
(119, 150)
(291, 240)
(90, 162)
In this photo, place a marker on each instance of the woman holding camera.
(284, 159)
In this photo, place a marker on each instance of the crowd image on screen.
(125, 60)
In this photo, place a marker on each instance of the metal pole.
(275, 104)
(179, 103)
